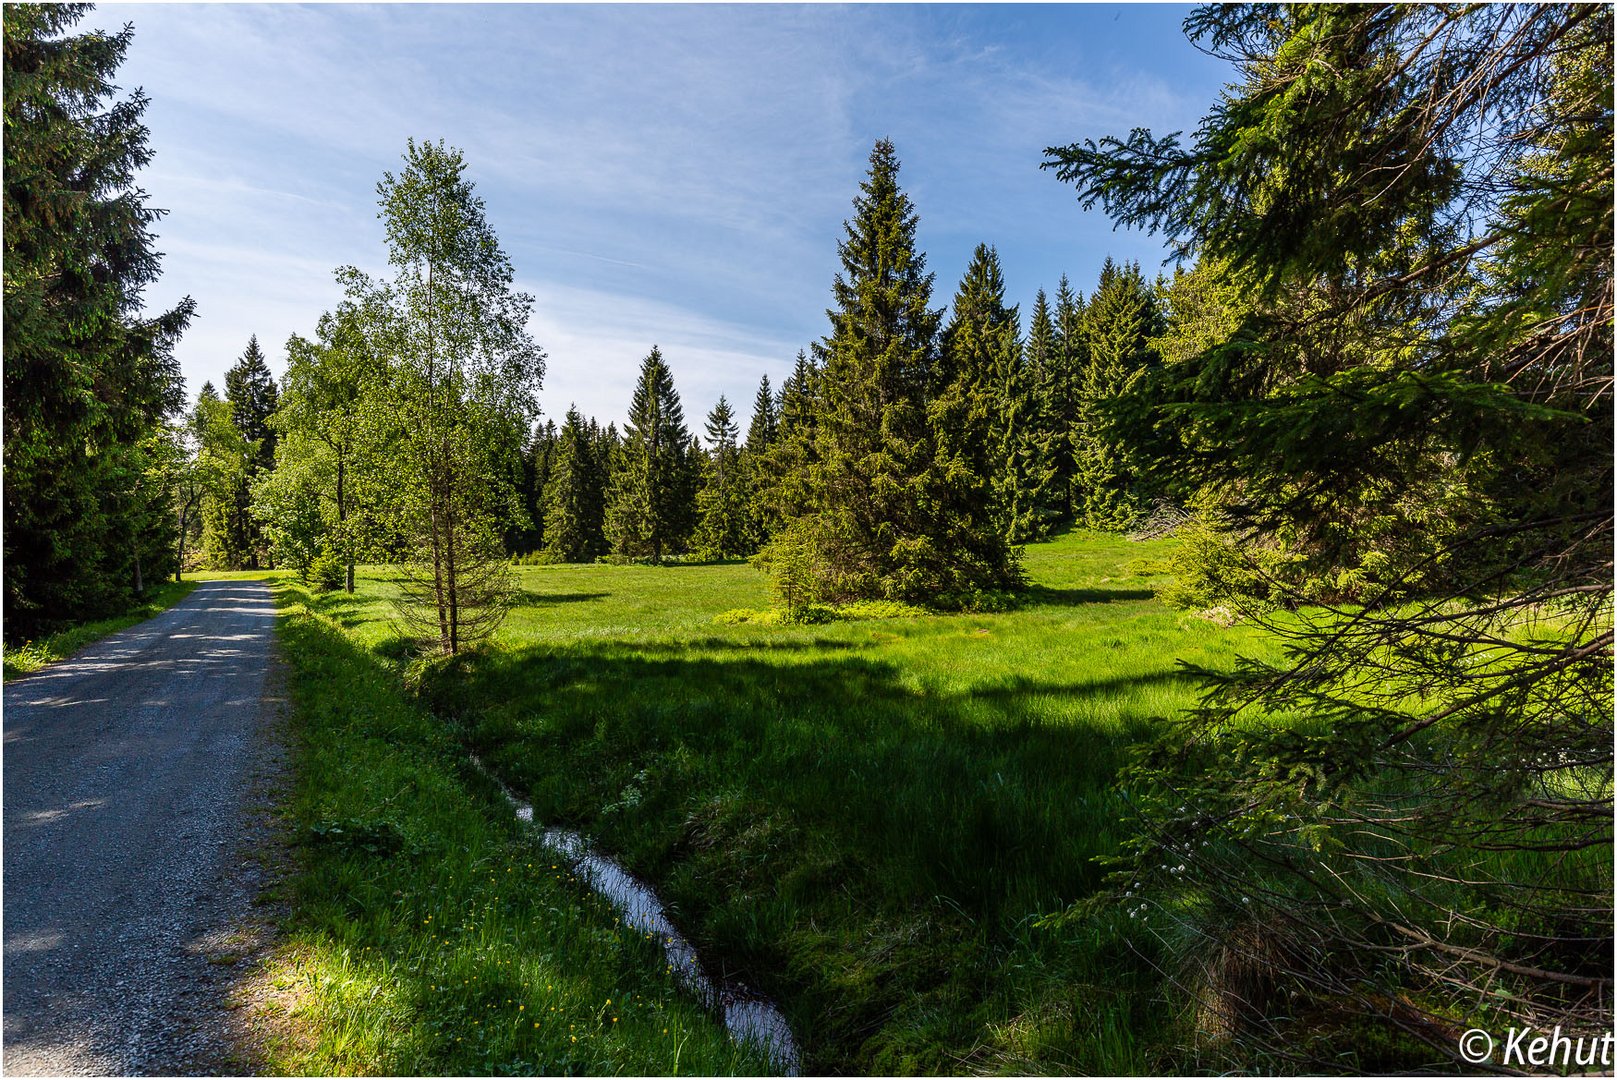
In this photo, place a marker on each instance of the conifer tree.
(1047, 443)
(89, 378)
(1404, 331)
(250, 390)
(573, 497)
(762, 435)
(887, 514)
(765, 426)
(1118, 321)
(538, 460)
(651, 510)
(991, 429)
(1071, 356)
(780, 474)
(723, 506)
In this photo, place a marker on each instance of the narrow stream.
(748, 1016)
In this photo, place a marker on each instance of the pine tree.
(724, 505)
(651, 510)
(573, 500)
(1118, 321)
(88, 378)
(887, 515)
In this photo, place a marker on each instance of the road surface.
(126, 777)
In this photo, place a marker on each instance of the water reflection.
(748, 1016)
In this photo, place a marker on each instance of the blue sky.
(660, 174)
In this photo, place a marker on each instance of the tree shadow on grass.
(1044, 595)
(783, 802)
(347, 611)
(531, 598)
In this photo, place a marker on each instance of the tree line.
(905, 456)
(911, 456)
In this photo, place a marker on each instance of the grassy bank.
(866, 819)
(33, 655)
(427, 933)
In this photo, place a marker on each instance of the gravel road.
(127, 826)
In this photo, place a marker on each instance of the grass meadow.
(867, 820)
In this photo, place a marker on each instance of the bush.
(747, 616)
(326, 572)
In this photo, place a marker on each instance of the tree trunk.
(179, 565)
(342, 520)
(454, 597)
(140, 584)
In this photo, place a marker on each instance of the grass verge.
(428, 934)
(30, 656)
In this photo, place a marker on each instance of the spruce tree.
(887, 515)
(651, 510)
(89, 378)
(250, 390)
(1047, 444)
(983, 355)
(780, 474)
(1118, 321)
(762, 435)
(723, 505)
(1404, 814)
(572, 501)
(1071, 357)
(765, 426)
(538, 463)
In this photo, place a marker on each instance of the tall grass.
(865, 819)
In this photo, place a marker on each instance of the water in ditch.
(748, 1016)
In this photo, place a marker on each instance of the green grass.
(242, 575)
(428, 933)
(866, 819)
(32, 655)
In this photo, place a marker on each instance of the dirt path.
(128, 886)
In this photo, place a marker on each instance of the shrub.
(741, 616)
(326, 572)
